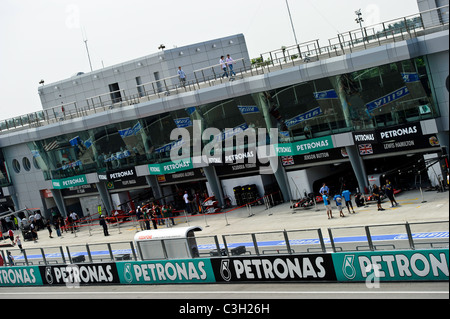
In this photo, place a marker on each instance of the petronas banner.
(304, 147)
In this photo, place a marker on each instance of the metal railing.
(406, 236)
(356, 40)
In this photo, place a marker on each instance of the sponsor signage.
(311, 267)
(124, 174)
(410, 77)
(243, 168)
(393, 133)
(429, 264)
(166, 271)
(325, 95)
(365, 137)
(80, 274)
(69, 182)
(170, 167)
(304, 147)
(77, 190)
(131, 131)
(248, 109)
(399, 132)
(316, 157)
(193, 174)
(304, 117)
(394, 138)
(20, 276)
(245, 155)
(124, 178)
(183, 122)
(388, 98)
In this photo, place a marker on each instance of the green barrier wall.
(166, 271)
(408, 265)
(20, 276)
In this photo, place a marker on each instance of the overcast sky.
(43, 39)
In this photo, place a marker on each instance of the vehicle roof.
(165, 233)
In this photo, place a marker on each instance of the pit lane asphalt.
(414, 207)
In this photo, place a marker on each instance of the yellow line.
(403, 200)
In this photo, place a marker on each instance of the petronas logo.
(48, 275)
(225, 271)
(347, 267)
(127, 273)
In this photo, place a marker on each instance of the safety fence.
(406, 236)
(369, 267)
(388, 252)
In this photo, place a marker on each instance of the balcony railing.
(356, 40)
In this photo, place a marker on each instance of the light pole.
(292, 24)
(360, 20)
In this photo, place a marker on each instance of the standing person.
(327, 205)
(104, 225)
(49, 228)
(181, 76)
(165, 215)
(324, 190)
(69, 225)
(153, 213)
(140, 218)
(33, 232)
(10, 259)
(223, 66)
(230, 63)
(170, 214)
(159, 215)
(377, 194)
(338, 199)
(38, 220)
(186, 201)
(389, 190)
(11, 236)
(74, 217)
(57, 224)
(62, 224)
(348, 200)
(146, 218)
(19, 242)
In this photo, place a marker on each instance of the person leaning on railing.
(182, 76)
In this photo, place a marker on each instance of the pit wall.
(374, 266)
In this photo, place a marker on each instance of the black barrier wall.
(275, 268)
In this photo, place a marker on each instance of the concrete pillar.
(106, 198)
(59, 200)
(358, 167)
(275, 162)
(214, 183)
(152, 181)
(281, 177)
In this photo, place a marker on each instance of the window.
(115, 92)
(26, 164)
(16, 166)
(35, 163)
